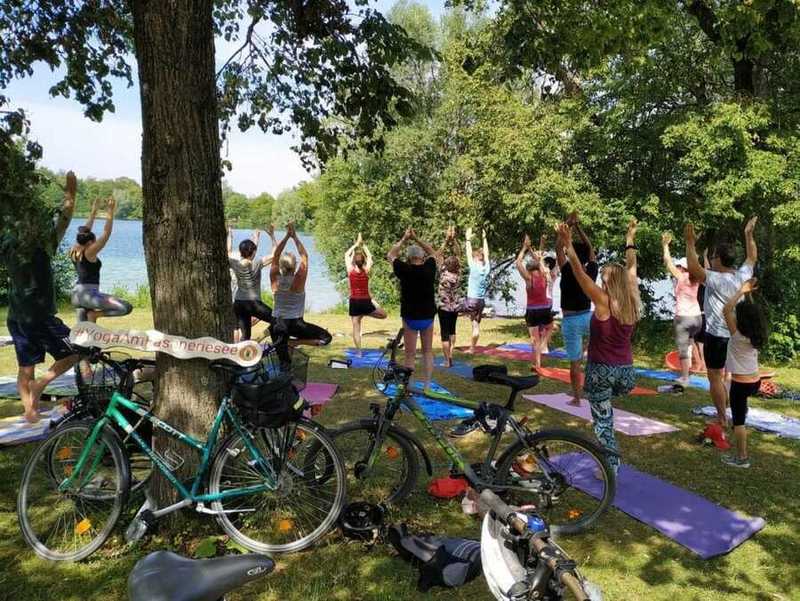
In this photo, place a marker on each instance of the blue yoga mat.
(435, 410)
(526, 346)
(671, 376)
(459, 368)
(63, 385)
(368, 358)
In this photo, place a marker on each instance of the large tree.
(321, 66)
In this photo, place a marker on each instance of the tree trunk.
(184, 229)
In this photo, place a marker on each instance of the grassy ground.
(630, 561)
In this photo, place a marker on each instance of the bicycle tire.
(295, 484)
(409, 471)
(605, 480)
(116, 496)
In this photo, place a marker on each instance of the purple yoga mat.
(318, 393)
(689, 519)
(624, 421)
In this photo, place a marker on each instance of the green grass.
(628, 560)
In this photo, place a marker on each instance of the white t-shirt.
(720, 287)
(742, 358)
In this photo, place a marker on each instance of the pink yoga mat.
(624, 421)
(318, 393)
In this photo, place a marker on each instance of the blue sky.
(261, 162)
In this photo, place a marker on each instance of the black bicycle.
(562, 473)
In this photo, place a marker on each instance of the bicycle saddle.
(166, 576)
(517, 383)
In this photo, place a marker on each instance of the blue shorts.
(31, 341)
(419, 325)
(574, 328)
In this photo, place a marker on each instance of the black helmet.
(362, 521)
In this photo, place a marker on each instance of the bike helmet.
(361, 521)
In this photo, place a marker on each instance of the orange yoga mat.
(562, 375)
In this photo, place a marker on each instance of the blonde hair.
(624, 303)
(287, 263)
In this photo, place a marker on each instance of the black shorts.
(447, 323)
(246, 310)
(32, 341)
(715, 351)
(361, 306)
(738, 400)
(700, 337)
(538, 317)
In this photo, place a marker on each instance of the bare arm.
(394, 252)
(666, 238)
(520, 262)
(427, 248)
(631, 262)
(277, 252)
(729, 310)
(585, 239)
(693, 263)
(561, 257)
(348, 257)
(67, 207)
(485, 248)
(95, 247)
(92, 214)
(750, 242)
(468, 245)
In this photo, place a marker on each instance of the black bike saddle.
(517, 383)
(166, 576)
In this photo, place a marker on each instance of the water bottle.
(536, 524)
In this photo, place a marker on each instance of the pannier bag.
(270, 404)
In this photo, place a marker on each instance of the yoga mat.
(624, 421)
(690, 520)
(368, 358)
(761, 419)
(659, 374)
(459, 368)
(493, 351)
(435, 410)
(318, 393)
(63, 385)
(15, 430)
(562, 375)
(526, 346)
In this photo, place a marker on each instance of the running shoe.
(734, 461)
(465, 427)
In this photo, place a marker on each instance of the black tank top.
(88, 272)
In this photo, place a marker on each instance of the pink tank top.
(610, 342)
(686, 304)
(537, 292)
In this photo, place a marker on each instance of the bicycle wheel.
(393, 474)
(310, 493)
(563, 474)
(72, 524)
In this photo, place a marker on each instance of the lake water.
(123, 261)
(123, 265)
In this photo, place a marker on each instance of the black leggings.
(247, 309)
(447, 324)
(282, 330)
(738, 398)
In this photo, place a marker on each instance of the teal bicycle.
(275, 483)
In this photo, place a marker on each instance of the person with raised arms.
(609, 366)
(576, 306)
(247, 303)
(288, 278)
(31, 321)
(721, 282)
(417, 276)
(87, 299)
(477, 284)
(358, 262)
(688, 321)
(539, 308)
(450, 297)
(748, 328)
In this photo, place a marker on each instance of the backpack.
(442, 560)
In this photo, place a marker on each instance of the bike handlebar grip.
(574, 585)
(490, 501)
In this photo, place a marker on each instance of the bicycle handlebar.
(490, 501)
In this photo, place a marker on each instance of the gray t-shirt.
(720, 287)
(248, 278)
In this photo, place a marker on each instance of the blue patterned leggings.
(604, 382)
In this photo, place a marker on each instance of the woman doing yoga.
(288, 281)
(539, 308)
(358, 261)
(450, 298)
(86, 296)
(609, 368)
(247, 302)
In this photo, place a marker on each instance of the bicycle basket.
(268, 396)
(97, 382)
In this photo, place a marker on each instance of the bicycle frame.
(189, 496)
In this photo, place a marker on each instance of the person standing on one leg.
(575, 304)
(450, 299)
(477, 284)
(748, 329)
(358, 262)
(552, 266)
(609, 368)
(247, 303)
(539, 310)
(32, 320)
(688, 320)
(721, 282)
(417, 277)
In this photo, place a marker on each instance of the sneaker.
(464, 428)
(734, 461)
